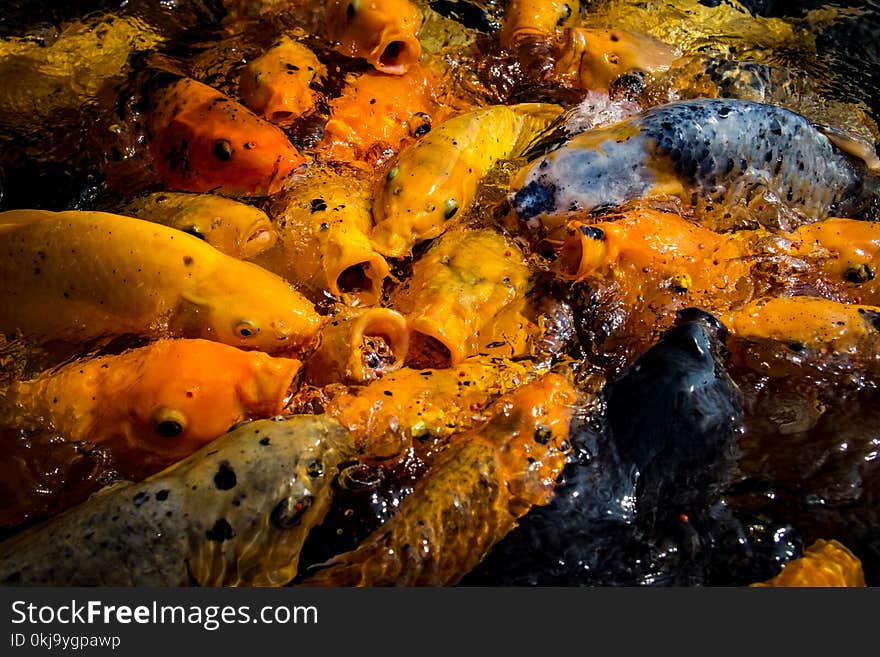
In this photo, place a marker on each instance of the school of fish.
(350, 293)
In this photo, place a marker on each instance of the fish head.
(203, 141)
(250, 307)
(412, 204)
(277, 85)
(187, 392)
(384, 32)
(240, 230)
(597, 57)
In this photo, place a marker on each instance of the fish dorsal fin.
(853, 145)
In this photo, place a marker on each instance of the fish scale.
(724, 151)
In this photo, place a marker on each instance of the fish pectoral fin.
(852, 145)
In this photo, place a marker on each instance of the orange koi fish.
(154, 405)
(376, 115)
(384, 32)
(203, 141)
(277, 84)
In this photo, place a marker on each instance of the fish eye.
(246, 329)
(223, 150)
(450, 208)
(168, 422)
(392, 173)
(419, 124)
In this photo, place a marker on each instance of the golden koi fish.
(824, 564)
(277, 85)
(235, 228)
(79, 275)
(437, 177)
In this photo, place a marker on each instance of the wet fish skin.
(726, 151)
(235, 513)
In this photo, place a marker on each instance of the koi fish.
(727, 152)
(235, 228)
(376, 115)
(594, 58)
(203, 141)
(423, 408)
(845, 328)
(823, 564)
(234, 513)
(437, 177)
(458, 290)
(526, 20)
(359, 346)
(78, 275)
(470, 498)
(323, 224)
(277, 85)
(152, 405)
(384, 32)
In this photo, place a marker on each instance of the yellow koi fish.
(235, 228)
(78, 275)
(436, 178)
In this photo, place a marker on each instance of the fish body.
(725, 151)
(153, 405)
(204, 141)
(436, 178)
(458, 291)
(75, 276)
(233, 227)
(376, 115)
(423, 408)
(470, 498)
(235, 513)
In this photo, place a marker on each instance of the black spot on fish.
(533, 199)
(314, 469)
(140, 498)
(225, 478)
(264, 441)
(221, 531)
(162, 495)
(285, 516)
(318, 205)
